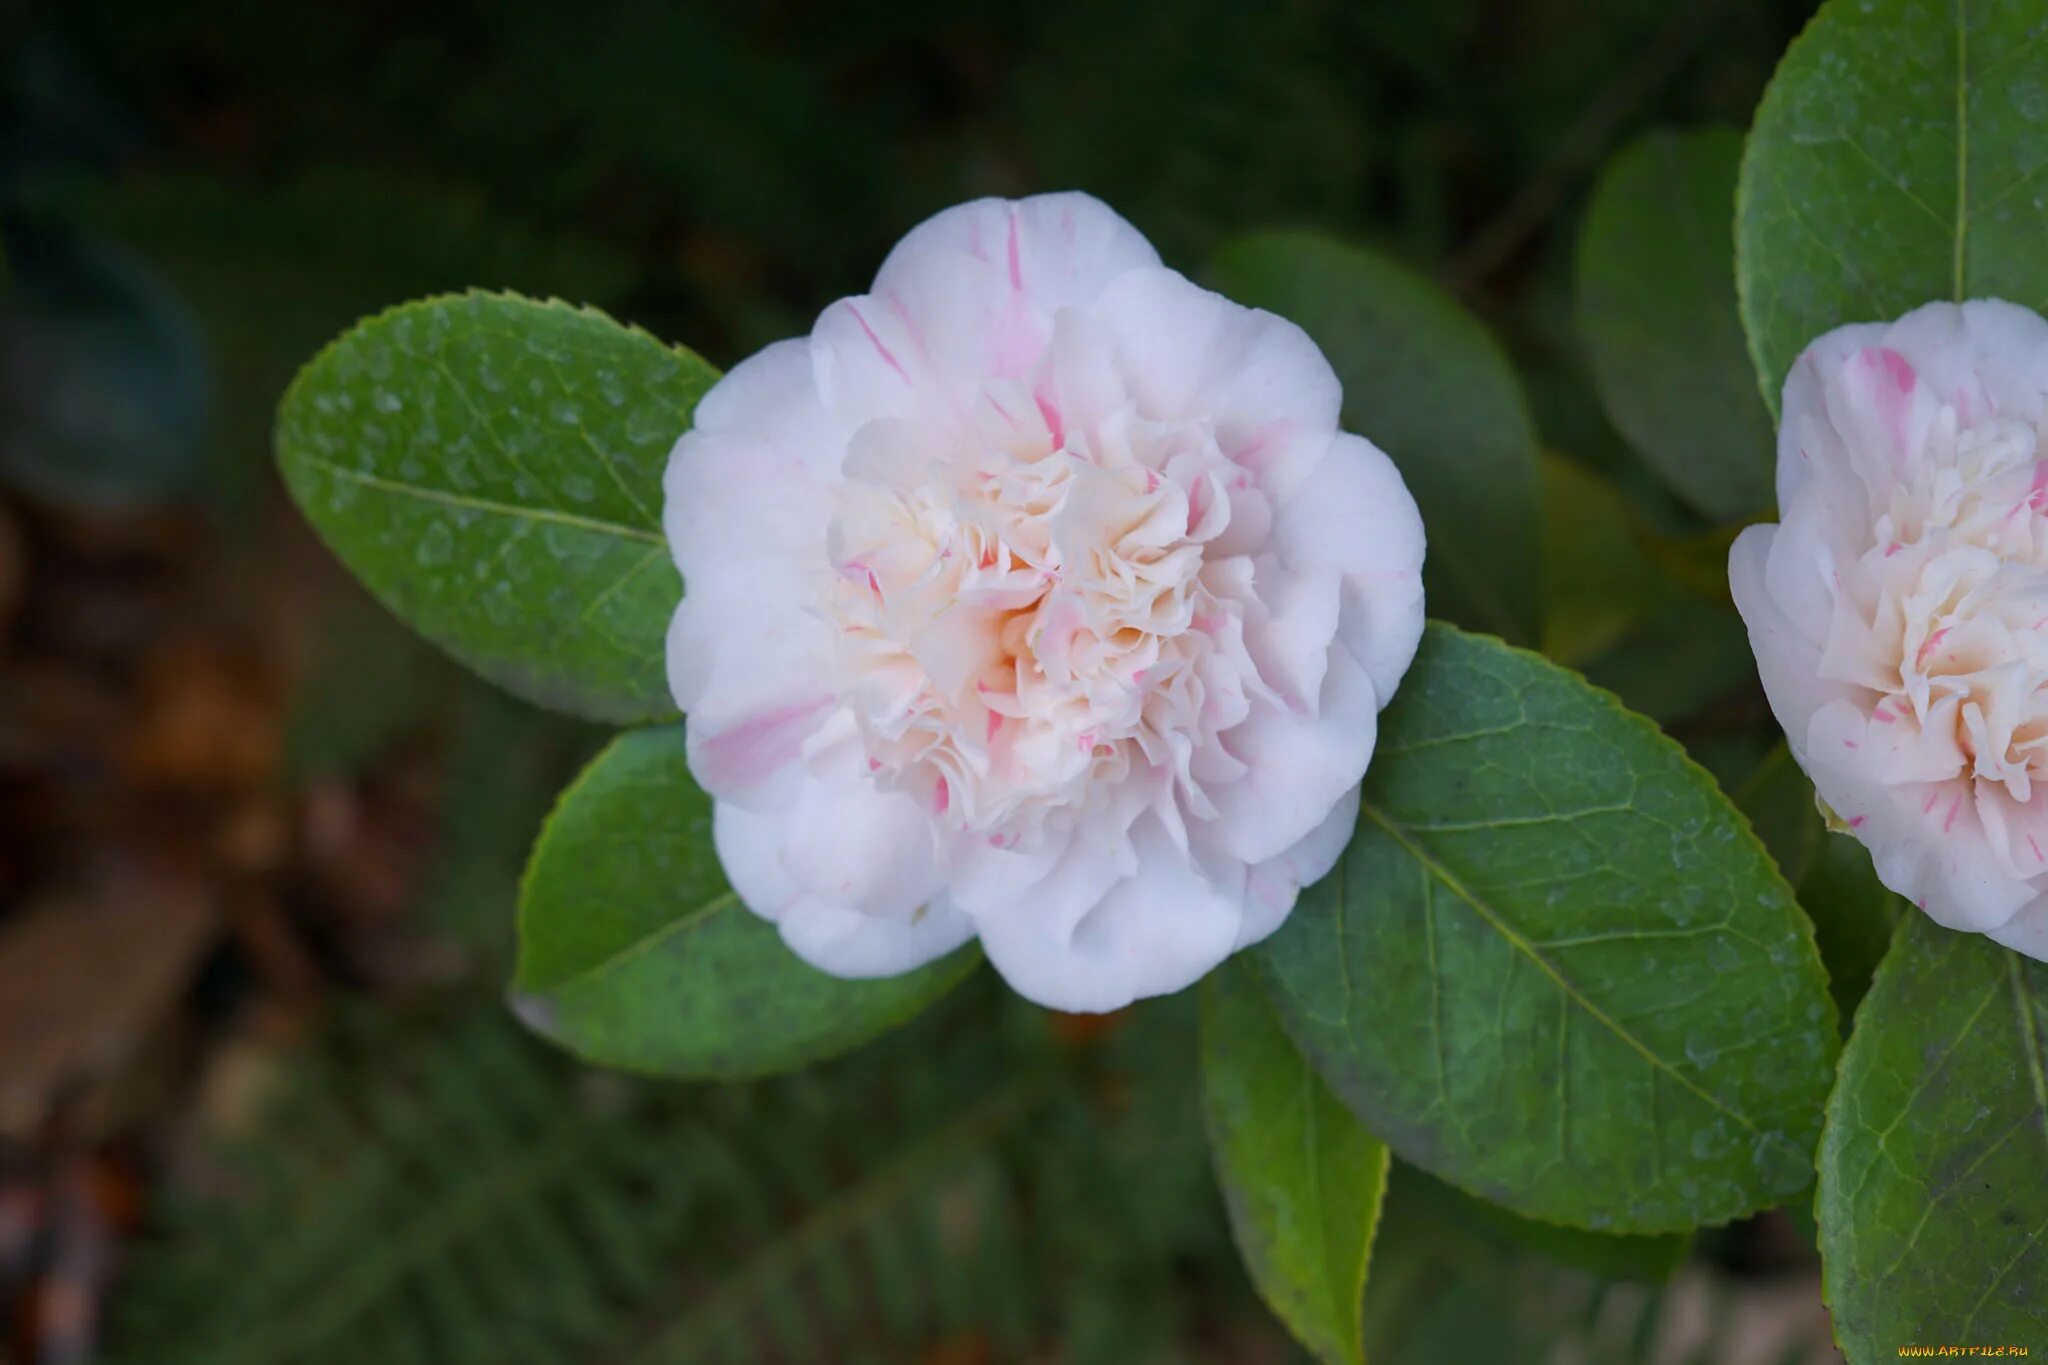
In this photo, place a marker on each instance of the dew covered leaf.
(490, 467)
(1898, 158)
(1933, 1215)
(1853, 913)
(634, 951)
(1555, 967)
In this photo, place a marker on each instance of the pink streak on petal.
(942, 797)
(1894, 548)
(995, 723)
(888, 356)
(1898, 369)
(1895, 391)
(2037, 491)
(1955, 807)
(1882, 716)
(1850, 744)
(756, 747)
(1856, 821)
(1928, 646)
(1016, 265)
(2037, 850)
(1932, 798)
(1050, 411)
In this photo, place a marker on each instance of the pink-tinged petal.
(1297, 767)
(1989, 353)
(832, 938)
(1154, 932)
(924, 345)
(1272, 886)
(1353, 514)
(754, 750)
(1055, 250)
(1809, 446)
(733, 660)
(1188, 352)
(1928, 843)
(856, 846)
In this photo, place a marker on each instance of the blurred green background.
(259, 1100)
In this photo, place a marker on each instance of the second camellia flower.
(1900, 612)
(1035, 595)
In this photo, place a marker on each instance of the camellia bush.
(1048, 611)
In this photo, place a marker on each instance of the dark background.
(259, 1101)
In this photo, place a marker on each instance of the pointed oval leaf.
(1427, 384)
(1933, 1214)
(1853, 913)
(1897, 158)
(1303, 1181)
(1656, 306)
(635, 953)
(1555, 967)
(491, 468)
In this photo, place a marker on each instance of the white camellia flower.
(1035, 595)
(1900, 612)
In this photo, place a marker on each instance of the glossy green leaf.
(1302, 1180)
(1897, 158)
(1853, 913)
(1656, 306)
(1933, 1213)
(635, 953)
(491, 468)
(1555, 967)
(1427, 384)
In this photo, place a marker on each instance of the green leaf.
(1648, 1257)
(1933, 1214)
(635, 953)
(1555, 967)
(491, 468)
(1303, 1181)
(1426, 383)
(1853, 913)
(1896, 159)
(1600, 579)
(1656, 306)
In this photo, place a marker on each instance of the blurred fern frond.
(453, 1191)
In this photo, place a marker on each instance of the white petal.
(1355, 515)
(1056, 250)
(832, 938)
(1297, 767)
(1788, 659)
(1187, 352)
(1154, 932)
(1273, 886)
(2027, 931)
(925, 344)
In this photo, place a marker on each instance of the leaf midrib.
(686, 922)
(1528, 950)
(594, 525)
